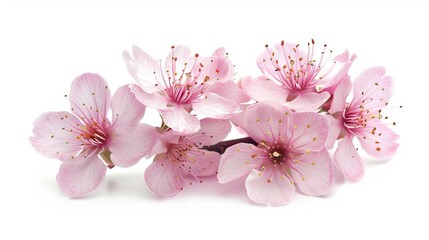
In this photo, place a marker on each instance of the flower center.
(177, 152)
(184, 85)
(277, 153)
(184, 92)
(92, 135)
(296, 70)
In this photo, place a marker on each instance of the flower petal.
(378, 140)
(212, 69)
(162, 177)
(81, 175)
(340, 95)
(372, 89)
(263, 89)
(308, 132)
(269, 186)
(348, 161)
(313, 173)
(308, 101)
(90, 98)
(229, 90)
(144, 69)
(180, 120)
(212, 131)
(153, 100)
(266, 121)
(239, 160)
(215, 106)
(272, 59)
(177, 60)
(220, 52)
(128, 149)
(127, 111)
(338, 72)
(55, 135)
(201, 162)
(335, 128)
(158, 145)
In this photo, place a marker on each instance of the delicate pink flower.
(184, 159)
(181, 90)
(291, 152)
(81, 137)
(295, 77)
(361, 118)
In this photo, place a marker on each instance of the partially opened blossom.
(290, 153)
(86, 140)
(180, 89)
(183, 160)
(372, 90)
(297, 76)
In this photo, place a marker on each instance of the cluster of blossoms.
(291, 115)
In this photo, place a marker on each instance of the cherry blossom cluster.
(291, 117)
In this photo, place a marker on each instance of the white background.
(44, 46)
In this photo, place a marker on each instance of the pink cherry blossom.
(290, 153)
(85, 137)
(372, 90)
(295, 77)
(181, 89)
(184, 160)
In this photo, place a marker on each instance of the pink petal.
(343, 57)
(55, 135)
(80, 175)
(220, 52)
(201, 162)
(313, 173)
(374, 87)
(180, 120)
(263, 89)
(127, 111)
(90, 98)
(158, 145)
(229, 90)
(308, 132)
(348, 161)
(339, 72)
(176, 59)
(238, 120)
(308, 101)
(270, 186)
(239, 160)
(128, 149)
(340, 95)
(265, 121)
(215, 106)
(271, 59)
(378, 140)
(335, 128)
(153, 100)
(212, 131)
(213, 69)
(144, 69)
(162, 176)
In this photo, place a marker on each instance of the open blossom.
(372, 90)
(184, 160)
(86, 140)
(290, 152)
(181, 89)
(295, 77)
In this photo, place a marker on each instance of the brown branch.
(222, 146)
